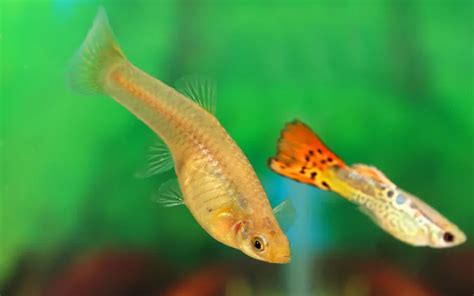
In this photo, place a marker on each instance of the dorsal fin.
(303, 157)
(200, 89)
(372, 172)
(169, 194)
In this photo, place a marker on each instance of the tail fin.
(303, 157)
(97, 54)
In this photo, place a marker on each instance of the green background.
(387, 83)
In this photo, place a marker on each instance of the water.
(386, 83)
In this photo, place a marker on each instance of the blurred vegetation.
(388, 83)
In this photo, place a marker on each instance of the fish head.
(427, 233)
(446, 236)
(433, 229)
(263, 240)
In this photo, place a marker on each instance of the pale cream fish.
(218, 184)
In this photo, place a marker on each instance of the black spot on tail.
(303, 170)
(325, 185)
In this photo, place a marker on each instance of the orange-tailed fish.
(218, 184)
(303, 157)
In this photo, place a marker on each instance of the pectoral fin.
(285, 213)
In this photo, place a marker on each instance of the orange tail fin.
(303, 157)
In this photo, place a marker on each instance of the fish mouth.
(281, 259)
(461, 238)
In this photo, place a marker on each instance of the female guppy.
(302, 156)
(218, 184)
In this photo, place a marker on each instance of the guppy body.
(397, 212)
(219, 185)
(302, 156)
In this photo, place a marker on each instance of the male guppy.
(218, 184)
(302, 156)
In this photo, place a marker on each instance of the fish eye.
(448, 237)
(258, 243)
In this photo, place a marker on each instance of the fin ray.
(169, 194)
(97, 54)
(159, 160)
(285, 213)
(200, 89)
(372, 172)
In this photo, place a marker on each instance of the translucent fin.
(97, 54)
(285, 213)
(159, 160)
(169, 194)
(200, 89)
(302, 156)
(370, 214)
(372, 172)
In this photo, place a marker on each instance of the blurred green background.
(387, 83)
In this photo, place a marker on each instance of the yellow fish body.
(218, 184)
(302, 156)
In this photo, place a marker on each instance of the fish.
(302, 156)
(217, 182)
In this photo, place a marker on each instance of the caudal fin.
(303, 157)
(97, 54)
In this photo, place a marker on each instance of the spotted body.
(302, 156)
(219, 186)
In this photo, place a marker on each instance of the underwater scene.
(236, 148)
